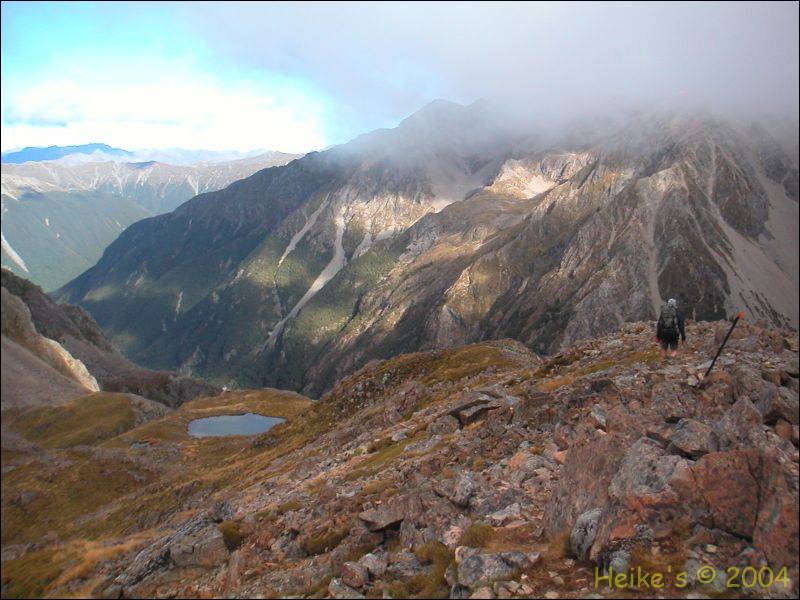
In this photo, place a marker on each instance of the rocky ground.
(481, 471)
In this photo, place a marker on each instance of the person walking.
(670, 328)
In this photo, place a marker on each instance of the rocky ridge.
(479, 471)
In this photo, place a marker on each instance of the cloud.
(296, 76)
(383, 60)
(162, 113)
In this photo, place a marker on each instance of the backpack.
(669, 319)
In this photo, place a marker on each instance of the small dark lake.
(222, 425)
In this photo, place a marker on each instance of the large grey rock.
(203, 549)
(584, 532)
(693, 438)
(403, 565)
(391, 513)
(463, 490)
(375, 564)
(338, 589)
(444, 425)
(476, 569)
(779, 403)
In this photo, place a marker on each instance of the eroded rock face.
(451, 229)
(18, 326)
(68, 339)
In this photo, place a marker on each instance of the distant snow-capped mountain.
(34, 154)
(59, 216)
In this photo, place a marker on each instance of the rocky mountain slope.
(53, 353)
(451, 229)
(58, 217)
(479, 471)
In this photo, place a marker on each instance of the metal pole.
(739, 315)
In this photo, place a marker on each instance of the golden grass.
(87, 420)
(30, 575)
(38, 497)
(231, 534)
(432, 584)
(325, 542)
(476, 535)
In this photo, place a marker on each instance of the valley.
(59, 217)
(449, 229)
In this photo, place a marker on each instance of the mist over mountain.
(451, 228)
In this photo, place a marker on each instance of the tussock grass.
(325, 542)
(476, 535)
(231, 534)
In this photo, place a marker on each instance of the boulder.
(338, 589)
(778, 403)
(375, 564)
(476, 569)
(693, 438)
(522, 466)
(205, 549)
(511, 512)
(391, 513)
(597, 416)
(671, 402)
(444, 425)
(355, 575)
(726, 483)
(403, 565)
(584, 532)
(588, 469)
(475, 407)
(739, 426)
(463, 490)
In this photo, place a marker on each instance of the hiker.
(670, 327)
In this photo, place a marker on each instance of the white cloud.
(169, 113)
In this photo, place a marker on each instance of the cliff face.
(481, 469)
(59, 351)
(450, 229)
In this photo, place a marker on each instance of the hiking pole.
(739, 315)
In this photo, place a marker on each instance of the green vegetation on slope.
(330, 311)
(59, 234)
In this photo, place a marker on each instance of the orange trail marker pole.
(739, 315)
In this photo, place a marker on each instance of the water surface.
(222, 425)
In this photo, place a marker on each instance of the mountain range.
(36, 154)
(453, 228)
(58, 217)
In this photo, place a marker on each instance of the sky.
(302, 76)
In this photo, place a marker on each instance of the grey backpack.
(669, 319)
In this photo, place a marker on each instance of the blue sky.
(138, 76)
(301, 76)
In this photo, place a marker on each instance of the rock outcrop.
(67, 339)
